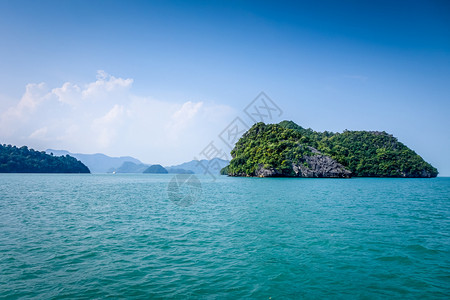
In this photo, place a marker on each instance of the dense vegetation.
(24, 160)
(367, 153)
(267, 146)
(225, 170)
(364, 153)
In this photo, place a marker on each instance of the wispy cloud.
(104, 84)
(180, 118)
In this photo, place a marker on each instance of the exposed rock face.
(321, 166)
(263, 172)
(314, 166)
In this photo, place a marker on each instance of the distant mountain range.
(202, 166)
(97, 163)
(129, 167)
(101, 163)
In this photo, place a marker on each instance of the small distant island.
(24, 160)
(156, 169)
(289, 150)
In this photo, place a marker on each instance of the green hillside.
(24, 160)
(285, 147)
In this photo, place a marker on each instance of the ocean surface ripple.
(119, 236)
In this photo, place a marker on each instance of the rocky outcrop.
(270, 172)
(313, 166)
(320, 166)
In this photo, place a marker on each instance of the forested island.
(156, 169)
(289, 150)
(24, 160)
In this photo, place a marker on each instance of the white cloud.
(35, 94)
(106, 126)
(104, 84)
(39, 133)
(180, 118)
(69, 93)
(105, 116)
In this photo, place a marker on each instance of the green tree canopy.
(364, 153)
(24, 160)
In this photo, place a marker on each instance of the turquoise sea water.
(96, 236)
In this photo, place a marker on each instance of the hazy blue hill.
(97, 163)
(24, 160)
(198, 167)
(179, 171)
(185, 168)
(156, 169)
(130, 167)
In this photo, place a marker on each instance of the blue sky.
(158, 80)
